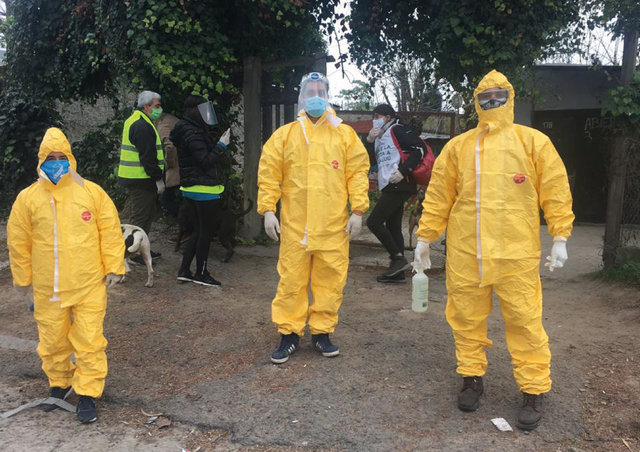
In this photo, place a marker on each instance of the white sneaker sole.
(280, 361)
(205, 284)
(89, 421)
(330, 354)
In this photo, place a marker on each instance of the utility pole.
(252, 141)
(617, 172)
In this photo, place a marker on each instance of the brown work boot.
(469, 397)
(531, 412)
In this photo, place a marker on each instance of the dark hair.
(384, 110)
(191, 110)
(193, 101)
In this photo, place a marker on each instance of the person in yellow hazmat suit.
(314, 166)
(66, 248)
(486, 190)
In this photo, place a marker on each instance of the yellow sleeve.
(270, 173)
(554, 191)
(19, 240)
(440, 196)
(111, 241)
(357, 172)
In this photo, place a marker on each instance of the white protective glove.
(354, 225)
(226, 137)
(111, 280)
(25, 292)
(272, 225)
(373, 134)
(396, 177)
(422, 256)
(160, 185)
(558, 254)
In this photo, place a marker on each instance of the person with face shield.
(201, 182)
(141, 168)
(386, 141)
(487, 188)
(314, 166)
(66, 249)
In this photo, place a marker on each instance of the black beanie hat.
(384, 110)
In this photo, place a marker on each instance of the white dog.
(137, 243)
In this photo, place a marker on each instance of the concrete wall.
(567, 87)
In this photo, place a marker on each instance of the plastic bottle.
(420, 295)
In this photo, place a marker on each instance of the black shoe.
(205, 279)
(531, 412)
(138, 260)
(397, 279)
(288, 344)
(58, 393)
(469, 397)
(185, 276)
(86, 410)
(397, 265)
(322, 343)
(155, 255)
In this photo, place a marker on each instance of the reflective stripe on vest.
(130, 166)
(213, 190)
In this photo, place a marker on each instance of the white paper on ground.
(501, 424)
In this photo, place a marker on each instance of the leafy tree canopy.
(65, 50)
(464, 39)
(360, 97)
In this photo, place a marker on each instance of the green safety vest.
(130, 166)
(210, 189)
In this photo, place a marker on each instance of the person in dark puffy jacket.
(201, 182)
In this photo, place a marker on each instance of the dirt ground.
(201, 355)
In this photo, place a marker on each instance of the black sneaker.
(58, 393)
(396, 279)
(288, 344)
(397, 265)
(185, 276)
(322, 343)
(205, 279)
(155, 255)
(86, 410)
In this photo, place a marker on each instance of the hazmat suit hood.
(55, 141)
(495, 117)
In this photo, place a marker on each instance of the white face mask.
(378, 123)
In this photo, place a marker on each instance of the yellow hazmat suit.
(486, 189)
(63, 239)
(314, 169)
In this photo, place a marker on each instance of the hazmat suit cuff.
(429, 236)
(263, 210)
(559, 238)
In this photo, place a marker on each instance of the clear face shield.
(208, 113)
(314, 94)
(493, 98)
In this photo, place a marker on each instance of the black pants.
(385, 221)
(142, 207)
(198, 245)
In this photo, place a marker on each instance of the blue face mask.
(315, 106)
(55, 169)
